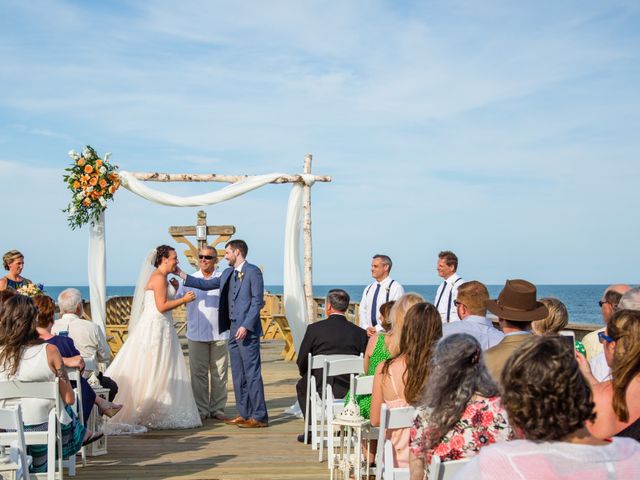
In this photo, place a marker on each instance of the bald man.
(608, 304)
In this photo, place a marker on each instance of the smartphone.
(570, 337)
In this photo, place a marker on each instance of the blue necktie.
(374, 307)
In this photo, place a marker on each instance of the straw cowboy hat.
(517, 302)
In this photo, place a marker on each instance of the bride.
(149, 369)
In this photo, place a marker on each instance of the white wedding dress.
(153, 383)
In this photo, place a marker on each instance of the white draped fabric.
(98, 273)
(293, 287)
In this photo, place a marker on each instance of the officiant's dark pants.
(247, 375)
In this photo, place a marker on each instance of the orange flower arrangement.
(92, 181)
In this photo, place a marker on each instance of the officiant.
(208, 352)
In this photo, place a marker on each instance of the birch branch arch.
(298, 290)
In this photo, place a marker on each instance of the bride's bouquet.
(92, 181)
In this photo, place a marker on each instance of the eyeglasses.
(601, 303)
(603, 337)
(205, 257)
(457, 303)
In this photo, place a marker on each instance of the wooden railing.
(272, 316)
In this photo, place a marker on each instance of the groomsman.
(383, 290)
(241, 298)
(447, 293)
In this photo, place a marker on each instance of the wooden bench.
(289, 351)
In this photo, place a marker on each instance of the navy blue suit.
(241, 298)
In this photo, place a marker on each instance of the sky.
(504, 131)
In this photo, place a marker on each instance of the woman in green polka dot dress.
(377, 351)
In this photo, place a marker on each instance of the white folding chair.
(391, 418)
(363, 385)
(346, 366)
(53, 436)
(74, 375)
(313, 400)
(439, 470)
(11, 420)
(359, 385)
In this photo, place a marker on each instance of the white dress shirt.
(87, 336)
(481, 328)
(202, 313)
(599, 368)
(389, 290)
(445, 295)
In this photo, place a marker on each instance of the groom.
(241, 298)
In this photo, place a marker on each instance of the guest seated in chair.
(26, 358)
(331, 336)
(70, 357)
(549, 402)
(87, 336)
(461, 411)
(400, 381)
(618, 400)
(379, 345)
(556, 320)
(6, 295)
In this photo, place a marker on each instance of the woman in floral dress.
(461, 411)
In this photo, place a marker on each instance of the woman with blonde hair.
(400, 381)
(556, 321)
(397, 318)
(617, 401)
(13, 262)
(379, 345)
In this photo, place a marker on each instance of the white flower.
(102, 170)
(89, 189)
(73, 154)
(102, 201)
(106, 157)
(86, 153)
(80, 196)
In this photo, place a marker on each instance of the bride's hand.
(189, 297)
(174, 283)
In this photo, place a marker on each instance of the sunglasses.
(601, 303)
(205, 257)
(603, 337)
(457, 303)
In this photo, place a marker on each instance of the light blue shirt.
(202, 313)
(481, 328)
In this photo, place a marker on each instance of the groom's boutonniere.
(240, 275)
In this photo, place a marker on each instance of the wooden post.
(308, 254)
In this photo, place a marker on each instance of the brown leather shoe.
(235, 421)
(253, 423)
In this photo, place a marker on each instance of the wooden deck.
(219, 451)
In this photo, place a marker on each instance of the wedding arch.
(298, 288)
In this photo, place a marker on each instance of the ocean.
(581, 300)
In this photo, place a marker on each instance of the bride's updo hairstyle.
(162, 251)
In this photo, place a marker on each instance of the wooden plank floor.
(219, 451)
